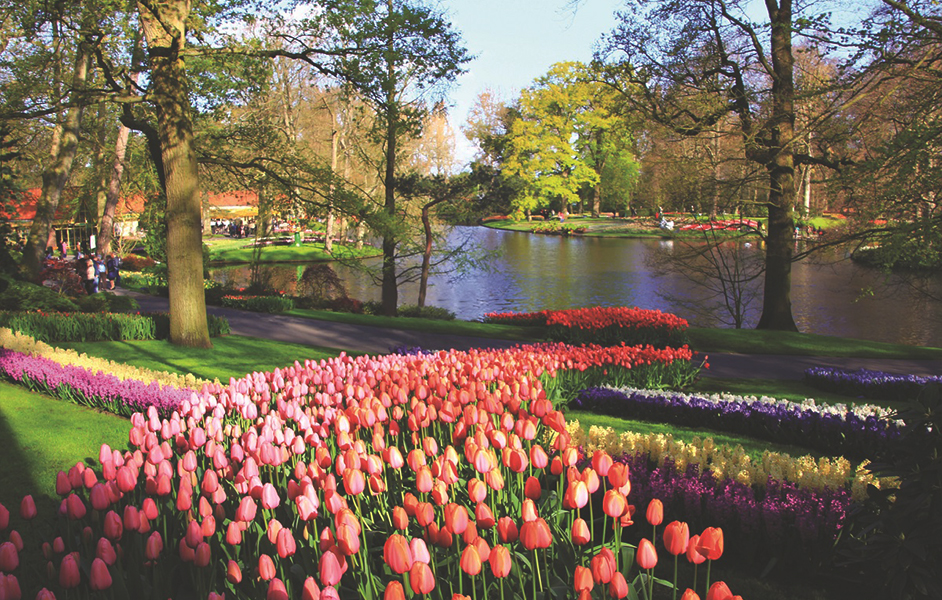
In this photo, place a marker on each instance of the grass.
(231, 356)
(225, 250)
(753, 341)
(43, 435)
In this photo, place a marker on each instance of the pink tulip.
(99, 578)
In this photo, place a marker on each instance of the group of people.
(98, 275)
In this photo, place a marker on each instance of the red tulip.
(419, 551)
(618, 587)
(500, 562)
(532, 489)
(45, 594)
(9, 557)
(285, 544)
(583, 579)
(603, 566)
(536, 534)
(676, 537)
(10, 587)
(456, 518)
(310, 590)
(246, 511)
(276, 590)
(397, 554)
(347, 540)
(69, 576)
(202, 555)
(105, 551)
(194, 534)
(580, 532)
(507, 530)
(647, 556)
(75, 507)
(655, 514)
(692, 555)
(99, 578)
(114, 527)
(154, 546)
(4, 517)
(477, 490)
(689, 594)
(353, 481)
(710, 544)
(270, 498)
(233, 572)
(63, 485)
(618, 475)
(266, 567)
(28, 508)
(719, 591)
(421, 578)
(330, 569)
(394, 591)
(601, 462)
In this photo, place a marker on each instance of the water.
(534, 272)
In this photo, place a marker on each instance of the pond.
(525, 272)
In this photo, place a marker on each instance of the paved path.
(380, 340)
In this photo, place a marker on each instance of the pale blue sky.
(516, 41)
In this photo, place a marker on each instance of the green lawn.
(231, 356)
(42, 436)
(235, 251)
(753, 341)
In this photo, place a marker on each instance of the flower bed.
(865, 383)
(603, 325)
(286, 484)
(858, 432)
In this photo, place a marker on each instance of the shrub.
(263, 304)
(104, 302)
(136, 263)
(426, 312)
(22, 295)
(97, 327)
(61, 276)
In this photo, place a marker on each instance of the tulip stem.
(709, 566)
(675, 578)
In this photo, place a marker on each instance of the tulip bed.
(868, 384)
(395, 476)
(858, 432)
(607, 326)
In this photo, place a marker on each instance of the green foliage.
(91, 327)
(103, 302)
(263, 304)
(897, 533)
(22, 295)
(426, 312)
(136, 263)
(905, 249)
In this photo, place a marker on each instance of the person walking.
(91, 277)
(111, 267)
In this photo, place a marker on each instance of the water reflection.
(534, 272)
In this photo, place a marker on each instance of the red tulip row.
(286, 484)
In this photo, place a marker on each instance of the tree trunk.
(57, 174)
(329, 225)
(165, 34)
(427, 252)
(776, 302)
(390, 293)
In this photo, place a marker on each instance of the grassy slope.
(234, 251)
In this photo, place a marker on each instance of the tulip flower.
(69, 575)
(583, 579)
(246, 511)
(693, 556)
(114, 527)
(689, 594)
(456, 518)
(266, 567)
(105, 551)
(270, 498)
(614, 504)
(9, 557)
(536, 534)
(233, 572)
(45, 594)
(154, 546)
(99, 577)
(470, 561)
(394, 591)
(710, 544)
(719, 591)
(310, 590)
(580, 532)
(421, 578)
(618, 586)
(276, 590)
(507, 530)
(532, 489)
(655, 513)
(647, 555)
(28, 507)
(500, 561)
(10, 587)
(676, 537)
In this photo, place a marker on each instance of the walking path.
(380, 340)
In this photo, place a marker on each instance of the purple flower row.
(849, 433)
(101, 390)
(779, 520)
(868, 384)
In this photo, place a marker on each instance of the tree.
(403, 52)
(689, 64)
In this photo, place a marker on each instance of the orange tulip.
(647, 555)
(710, 544)
(266, 567)
(655, 514)
(394, 591)
(719, 591)
(583, 579)
(456, 518)
(421, 578)
(618, 586)
(310, 590)
(536, 534)
(470, 561)
(233, 572)
(689, 594)
(397, 554)
(532, 488)
(676, 537)
(580, 532)
(692, 555)
(614, 504)
(400, 519)
(603, 566)
(618, 475)
(483, 516)
(500, 562)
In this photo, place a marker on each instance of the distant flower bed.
(868, 384)
(556, 227)
(603, 325)
(858, 432)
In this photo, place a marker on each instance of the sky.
(516, 41)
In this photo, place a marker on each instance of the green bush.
(263, 304)
(97, 327)
(22, 295)
(104, 302)
(426, 312)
